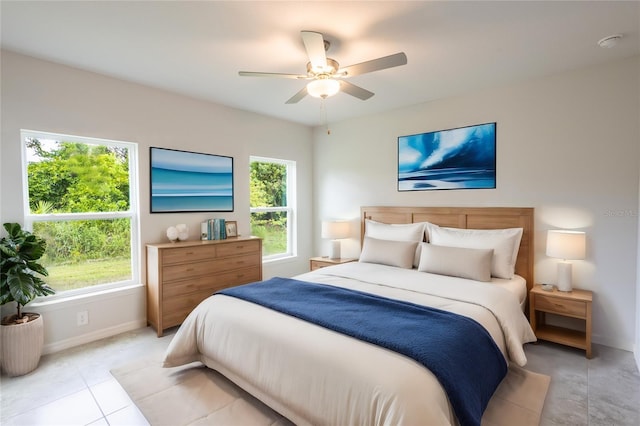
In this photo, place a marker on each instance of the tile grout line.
(84, 380)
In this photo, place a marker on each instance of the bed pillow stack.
(505, 244)
(388, 252)
(470, 263)
(379, 238)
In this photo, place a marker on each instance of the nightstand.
(574, 304)
(321, 262)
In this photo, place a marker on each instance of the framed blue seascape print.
(183, 181)
(461, 158)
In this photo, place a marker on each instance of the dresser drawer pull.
(240, 262)
(240, 247)
(189, 270)
(240, 276)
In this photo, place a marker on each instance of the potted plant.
(22, 333)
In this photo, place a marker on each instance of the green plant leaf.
(18, 280)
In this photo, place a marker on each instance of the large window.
(273, 206)
(81, 197)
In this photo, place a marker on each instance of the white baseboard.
(612, 343)
(93, 336)
(636, 354)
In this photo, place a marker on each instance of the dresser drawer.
(208, 267)
(188, 254)
(237, 277)
(186, 286)
(239, 247)
(183, 271)
(237, 262)
(175, 310)
(210, 283)
(317, 265)
(561, 306)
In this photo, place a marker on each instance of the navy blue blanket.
(457, 350)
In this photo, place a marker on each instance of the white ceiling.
(197, 48)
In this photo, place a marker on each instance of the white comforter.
(312, 375)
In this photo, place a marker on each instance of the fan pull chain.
(323, 116)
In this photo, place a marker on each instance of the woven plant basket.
(21, 346)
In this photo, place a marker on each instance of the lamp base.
(564, 276)
(335, 249)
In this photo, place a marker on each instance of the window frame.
(133, 214)
(290, 208)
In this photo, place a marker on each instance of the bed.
(313, 374)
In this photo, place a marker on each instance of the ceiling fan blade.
(270, 74)
(314, 43)
(298, 96)
(353, 90)
(375, 64)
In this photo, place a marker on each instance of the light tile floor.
(75, 387)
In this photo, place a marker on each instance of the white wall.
(39, 95)
(637, 346)
(567, 145)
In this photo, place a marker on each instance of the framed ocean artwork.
(183, 181)
(460, 158)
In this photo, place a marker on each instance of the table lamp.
(335, 230)
(565, 245)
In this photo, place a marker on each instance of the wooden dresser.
(180, 275)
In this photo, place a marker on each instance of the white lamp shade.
(568, 245)
(335, 230)
(323, 88)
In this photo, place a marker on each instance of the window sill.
(288, 259)
(53, 302)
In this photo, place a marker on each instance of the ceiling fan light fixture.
(323, 88)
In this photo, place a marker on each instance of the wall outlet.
(82, 318)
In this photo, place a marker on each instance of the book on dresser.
(180, 275)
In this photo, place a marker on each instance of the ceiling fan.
(327, 78)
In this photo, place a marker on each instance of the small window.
(272, 206)
(81, 198)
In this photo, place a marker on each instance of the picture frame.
(459, 158)
(231, 228)
(184, 181)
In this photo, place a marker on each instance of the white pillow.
(387, 252)
(471, 263)
(504, 242)
(396, 232)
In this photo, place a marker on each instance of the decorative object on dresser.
(231, 226)
(178, 233)
(335, 231)
(172, 234)
(323, 262)
(566, 245)
(182, 181)
(213, 229)
(183, 232)
(181, 275)
(576, 304)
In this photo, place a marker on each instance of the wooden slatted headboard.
(466, 217)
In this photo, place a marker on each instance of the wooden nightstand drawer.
(322, 262)
(560, 306)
